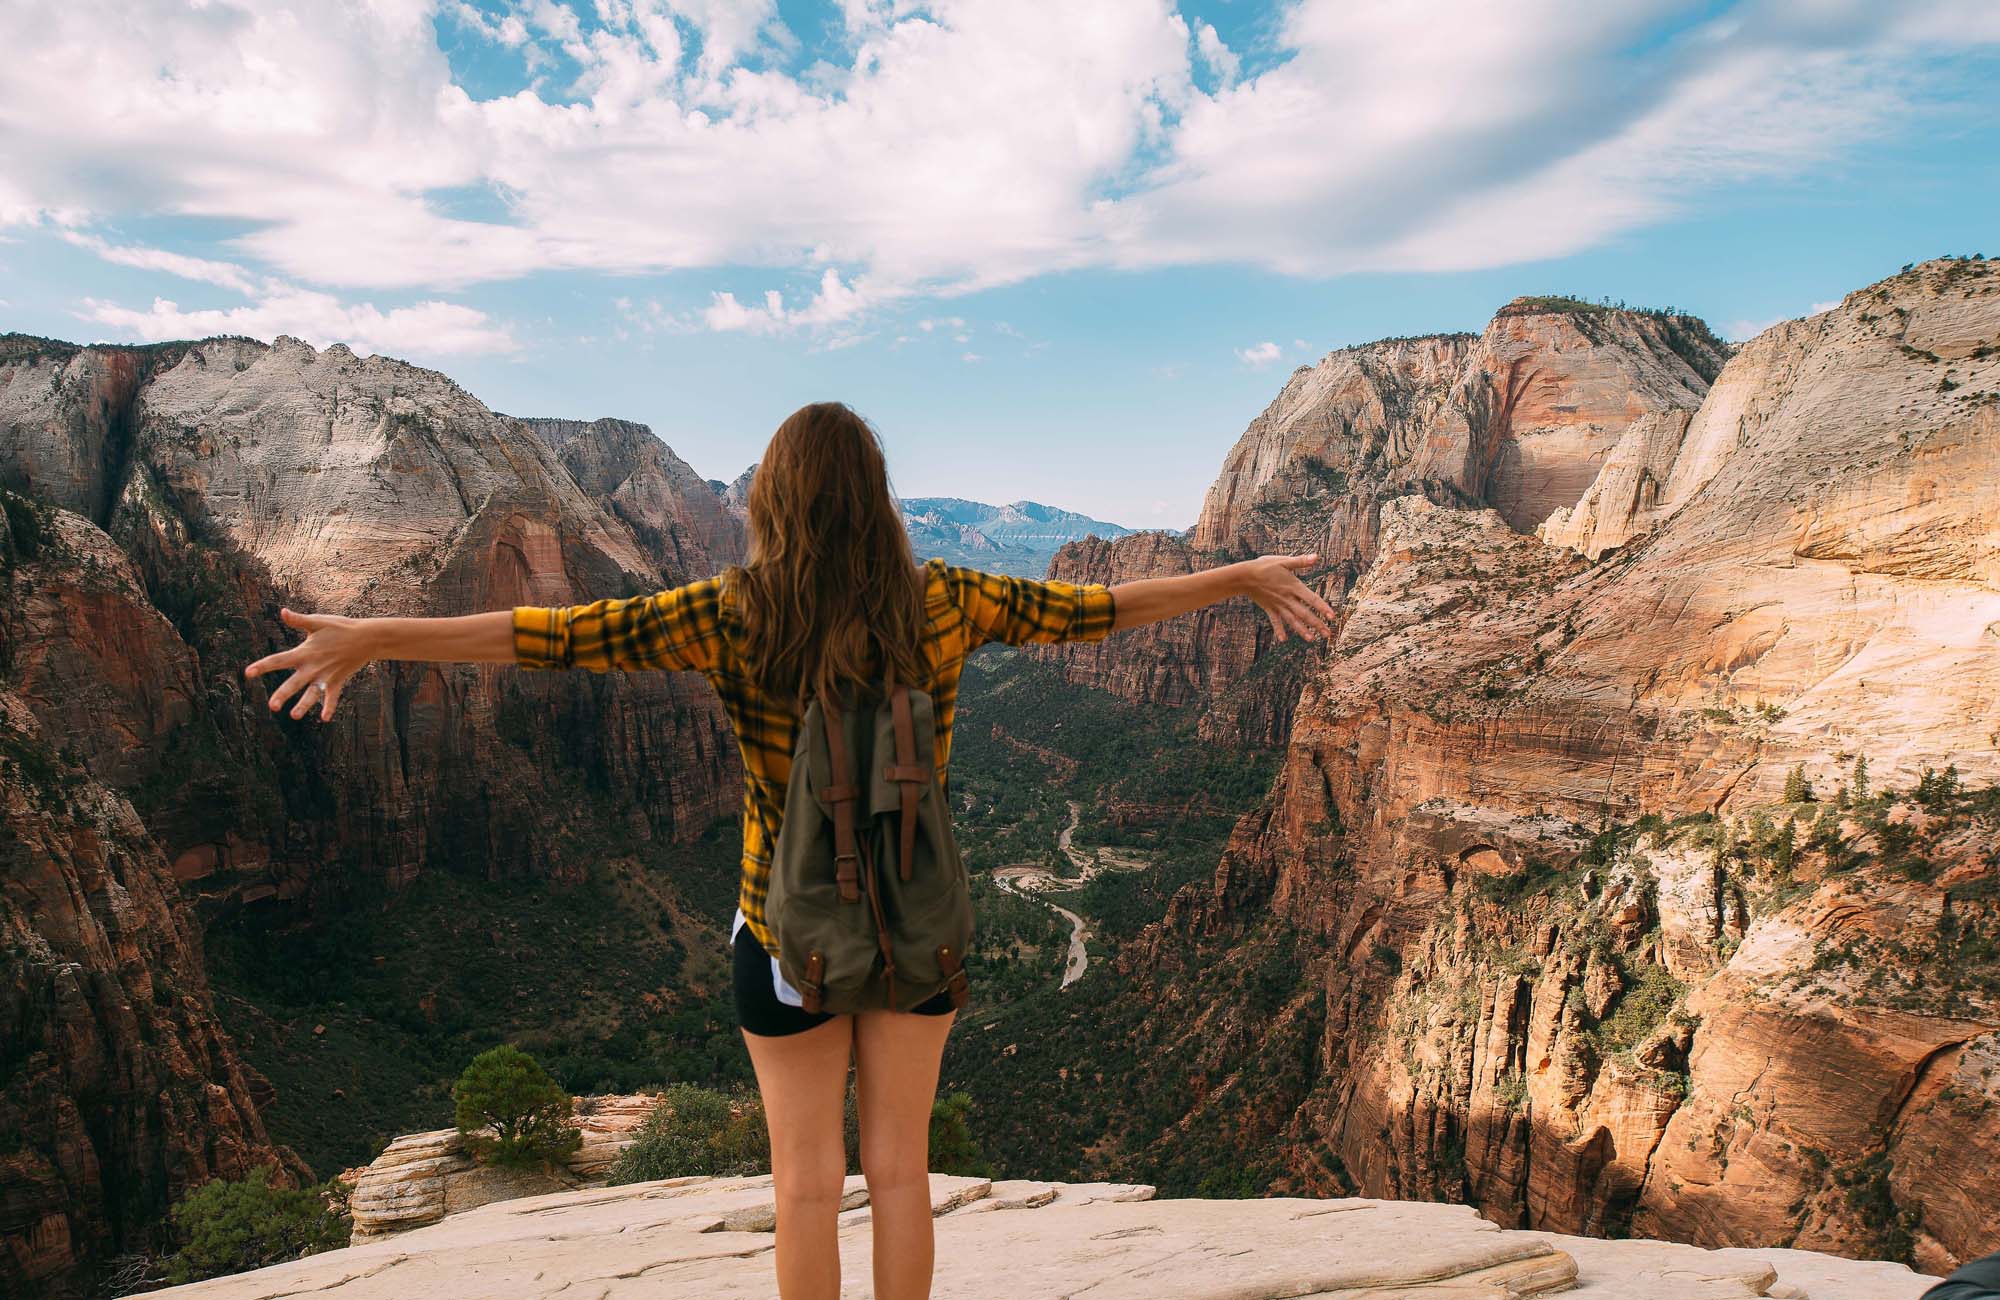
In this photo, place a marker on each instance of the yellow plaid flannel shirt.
(694, 628)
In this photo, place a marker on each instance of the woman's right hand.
(336, 647)
(1295, 609)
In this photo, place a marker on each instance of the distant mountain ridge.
(1019, 538)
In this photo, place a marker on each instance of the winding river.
(1026, 880)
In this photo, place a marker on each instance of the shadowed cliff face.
(675, 515)
(185, 492)
(121, 1089)
(1730, 1030)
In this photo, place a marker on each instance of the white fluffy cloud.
(1259, 355)
(835, 302)
(425, 328)
(953, 145)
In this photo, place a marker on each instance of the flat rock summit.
(711, 1237)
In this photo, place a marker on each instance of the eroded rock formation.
(1735, 1028)
(1519, 418)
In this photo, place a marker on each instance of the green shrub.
(531, 1118)
(1797, 788)
(953, 1150)
(231, 1225)
(695, 1131)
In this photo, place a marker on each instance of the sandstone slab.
(693, 1237)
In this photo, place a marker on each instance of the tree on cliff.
(231, 1225)
(531, 1119)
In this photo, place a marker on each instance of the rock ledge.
(710, 1237)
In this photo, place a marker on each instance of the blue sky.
(1060, 251)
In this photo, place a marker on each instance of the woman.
(830, 594)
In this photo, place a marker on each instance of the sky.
(1056, 250)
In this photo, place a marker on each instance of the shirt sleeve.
(1021, 611)
(677, 630)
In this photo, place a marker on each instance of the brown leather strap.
(906, 774)
(954, 976)
(841, 793)
(810, 990)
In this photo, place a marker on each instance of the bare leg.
(803, 1079)
(896, 1057)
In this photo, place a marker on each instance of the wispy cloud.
(225, 274)
(1259, 355)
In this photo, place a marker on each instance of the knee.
(809, 1179)
(890, 1166)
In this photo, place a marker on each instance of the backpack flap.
(828, 944)
(926, 895)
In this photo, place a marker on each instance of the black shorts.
(758, 1009)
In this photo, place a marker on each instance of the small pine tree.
(1858, 783)
(1785, 848)
(953, 1150)
(531, 1117)
(1797, 788)
(1936, 789)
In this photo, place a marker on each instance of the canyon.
(1526, 841)
(1539, 923)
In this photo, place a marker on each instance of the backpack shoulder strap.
(841, 795)
(906, 772)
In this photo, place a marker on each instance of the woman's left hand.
(336, 647)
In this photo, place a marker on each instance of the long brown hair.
(830, 592)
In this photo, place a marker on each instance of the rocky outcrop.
(1520, 418)
(1717, 1030)
(736, 493)
(674, 513)
(421, 1178)
(712, 1236)
(1624, 498)
(67, 411)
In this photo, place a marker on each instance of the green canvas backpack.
(869, 898)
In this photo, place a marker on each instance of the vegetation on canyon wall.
(1610, 873)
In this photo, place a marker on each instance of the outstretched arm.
(337, 647)
(1270, 580)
